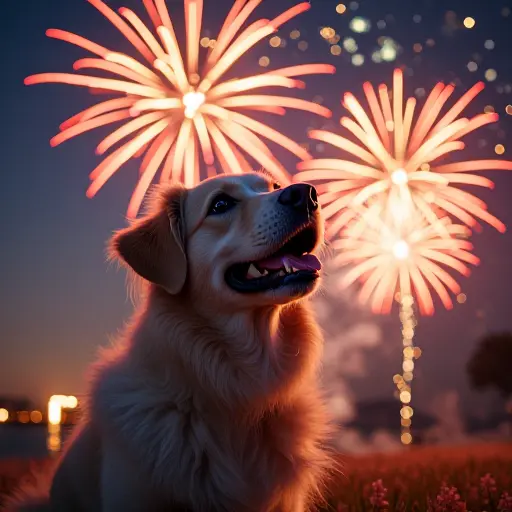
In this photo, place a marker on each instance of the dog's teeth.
(253, 272)
(288, 267)
(265, 272)
(295, 269)
(281, 273)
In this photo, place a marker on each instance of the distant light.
(388, 53)
(303, 45)
(294, 34)
(23, 417)
(341, 8)
(508, 110)
(318, 99)
(488, 109)
(4, 415)
(36, 417)
(408, 376)
(472, 66)
(406, 438)
(406, 412)
(54, 410)
(417, 47)
(489, 44)
(416, 18)
(461, 298)
(469, 22)
(358, 59)
(425, 166)
(405, 397)
(381, 24)
(353, 6)
(359, 25)
(275, 41)
(399, 177)
(376, 56)
(417, 352)
(419, 92)
(408, 365)
(264, 61)
(430, 42)
(71, 402)
(499, 149)
(327, 32)
(505, 12)
(491, 75)
(336, 49)
(401, 250)
(350, 44)
(205, 41)
(335, 39)
(212, 43)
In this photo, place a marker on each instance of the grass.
(435, 479)
(471, 478)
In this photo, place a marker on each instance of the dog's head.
(237, 241)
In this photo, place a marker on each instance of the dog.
(210, 400)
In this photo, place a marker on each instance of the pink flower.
(448, 500)
(377, 498)
(488, 485)
(505, 503)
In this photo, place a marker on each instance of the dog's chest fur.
(207, 454)
(220, 460)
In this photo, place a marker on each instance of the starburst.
(173, 109)
(394, 158)
(412, 260)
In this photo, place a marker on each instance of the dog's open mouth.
(291, 264)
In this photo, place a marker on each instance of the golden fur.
(210, 399)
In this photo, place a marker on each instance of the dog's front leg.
(124, 484)
(75, 483)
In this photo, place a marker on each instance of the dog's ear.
(154, 246)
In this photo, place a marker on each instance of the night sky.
(60, 300)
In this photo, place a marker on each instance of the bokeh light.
(469, 22)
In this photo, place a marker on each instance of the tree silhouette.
(491, 363)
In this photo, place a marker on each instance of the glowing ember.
(172, 108)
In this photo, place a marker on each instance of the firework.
(394, 158)
(174, 111)
(412, 260)
(407, 258)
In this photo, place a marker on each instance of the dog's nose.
(300, 196)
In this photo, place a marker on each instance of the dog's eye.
(221, 204)
(276, 186)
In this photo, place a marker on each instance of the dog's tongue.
(304, 262)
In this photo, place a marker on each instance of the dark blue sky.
(60, 300)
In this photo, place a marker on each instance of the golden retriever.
(210, 400)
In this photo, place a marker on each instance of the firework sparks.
(411, 261)
(395, 158)
(173, 109)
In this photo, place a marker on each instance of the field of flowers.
(473, 478)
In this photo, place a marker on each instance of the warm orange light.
(36, 417)
(469, 22)
(170, 105)
(4, 415)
